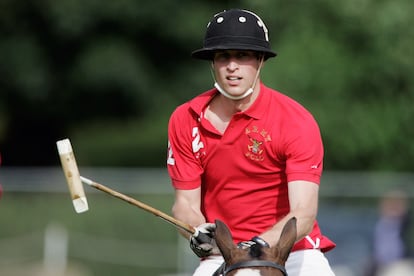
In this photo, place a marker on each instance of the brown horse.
(257, 260)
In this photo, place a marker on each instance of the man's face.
(235, 70)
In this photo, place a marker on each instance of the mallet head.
(70, 168)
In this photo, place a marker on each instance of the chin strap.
(227, 95)
(245, 94)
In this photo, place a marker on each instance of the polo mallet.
(80, 203)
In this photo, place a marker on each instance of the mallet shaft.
(186, 227)
(80, 203)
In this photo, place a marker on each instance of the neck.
(231, 106)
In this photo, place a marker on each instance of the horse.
(257, 260)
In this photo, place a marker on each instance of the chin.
(235, 92)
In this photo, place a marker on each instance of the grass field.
(112, 238)
(115, 238)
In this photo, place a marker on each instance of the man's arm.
(187, 208)
(303, 201)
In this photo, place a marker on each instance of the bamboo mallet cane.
(74, 180)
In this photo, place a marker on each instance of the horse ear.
(287, 238)
(224, 239)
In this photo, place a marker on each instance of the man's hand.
(254, 241)
(202, 242)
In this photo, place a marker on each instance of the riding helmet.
(235, 29)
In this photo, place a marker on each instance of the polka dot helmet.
(235, 29)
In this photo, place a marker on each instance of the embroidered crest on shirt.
(257, 138)
(255, 146)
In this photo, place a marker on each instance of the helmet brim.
(207, 53)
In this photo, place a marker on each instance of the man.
(390, 243)
(246, 154)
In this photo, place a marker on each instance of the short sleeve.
(183, 167)
(304, 150)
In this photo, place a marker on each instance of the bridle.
(255, 263)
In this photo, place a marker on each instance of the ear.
(224, 239)
(287, 238)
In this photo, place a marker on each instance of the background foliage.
(108, 74)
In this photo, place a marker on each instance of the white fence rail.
(156, 181)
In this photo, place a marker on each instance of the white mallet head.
(67, 158)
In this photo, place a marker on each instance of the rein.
(255, 263)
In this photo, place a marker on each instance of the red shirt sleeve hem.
(185, 185)
(315, 178)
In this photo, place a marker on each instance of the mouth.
(233, 78)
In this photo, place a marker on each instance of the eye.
(222, 56)
(244, 55)
(241, 55)
(225, 56)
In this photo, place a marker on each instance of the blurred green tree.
(107, 74)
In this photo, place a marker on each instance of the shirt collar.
(258, 108)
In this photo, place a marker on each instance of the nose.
(232, 64)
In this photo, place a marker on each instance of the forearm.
(304, 224)
(303, 203)
(191, 214)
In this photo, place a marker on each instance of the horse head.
(257, 260)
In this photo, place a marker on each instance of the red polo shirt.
(243, 173)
